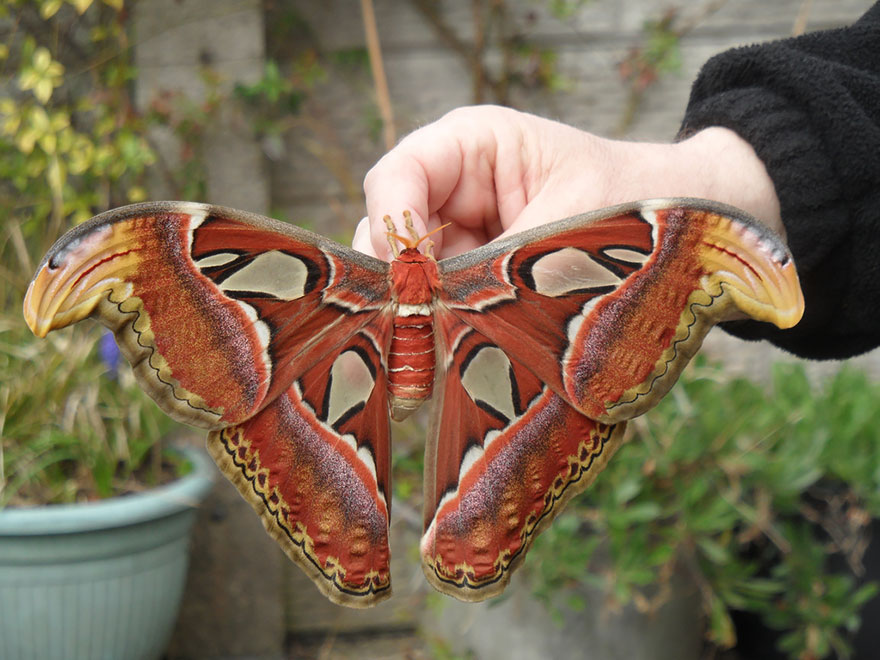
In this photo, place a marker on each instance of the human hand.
(492, 171)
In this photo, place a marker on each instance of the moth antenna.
(392, 237)
(430, 244)
(414, 240)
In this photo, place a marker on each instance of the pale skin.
(491, 171)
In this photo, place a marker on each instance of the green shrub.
(73, 427)
(71, 145)
(70, 140)
(747, 489)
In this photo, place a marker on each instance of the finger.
(550, 205)
(418, 175)
(361, 241)
(576, 172)
(446, 172)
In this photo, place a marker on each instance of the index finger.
(418, 175)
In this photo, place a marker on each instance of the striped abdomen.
(410, 361)
(411, 354)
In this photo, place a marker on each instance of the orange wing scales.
(659, 276)
(234, 322)
(315, 496)
(482, 532)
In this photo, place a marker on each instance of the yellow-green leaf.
(48, 142)
(39, 119)
(82, 154)
(10, 125)
(137, 194)
(81, 5)
(59, 121)
(49, 8)
(26, 141)
(27, 79)
(43, 90)
(42, 59)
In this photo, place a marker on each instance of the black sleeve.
(810, 107)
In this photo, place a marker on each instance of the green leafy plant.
(70, 141)
(274, 103)
(749, 490)
(72, 427)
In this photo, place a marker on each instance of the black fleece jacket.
(810, 107)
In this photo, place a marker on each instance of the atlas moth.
(295, 353)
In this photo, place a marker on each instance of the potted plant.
(95, 508)
(96, 512)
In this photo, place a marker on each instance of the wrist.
(713, 164)
(724, 167)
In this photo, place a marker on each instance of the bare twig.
(472, 56)
(702, 13)
(499, 15)
(803, 16)
(677, 27)
(21, 251)
(479, 47)
(383, 98)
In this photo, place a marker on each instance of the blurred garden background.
(736, 522)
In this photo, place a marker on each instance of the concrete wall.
(427, 78)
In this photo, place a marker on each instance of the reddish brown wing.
(607, 308)
(590, 318)
(315, 465)
(504, 455)
(236, 322)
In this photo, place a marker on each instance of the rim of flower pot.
(184, 493)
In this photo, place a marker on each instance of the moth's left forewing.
(272, 337)
(504, 455)
(607, 308)
(199, 295)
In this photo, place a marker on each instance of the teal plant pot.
(98, 580)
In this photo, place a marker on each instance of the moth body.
(414, 279)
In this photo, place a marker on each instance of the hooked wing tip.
(38, 327)
(755, 268)
(60, 295)
(39, 308)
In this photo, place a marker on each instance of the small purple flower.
(108, 351)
